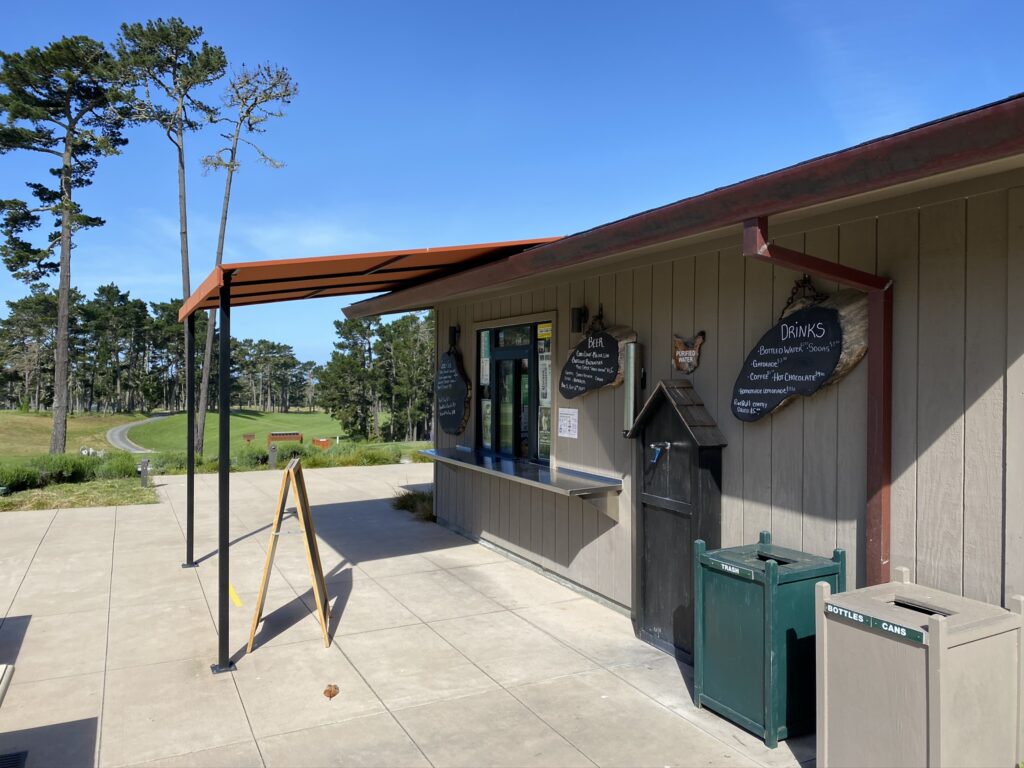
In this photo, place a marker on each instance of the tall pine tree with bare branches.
(171, 63)
(253, 96)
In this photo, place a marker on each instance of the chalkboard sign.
(451, 387)
(594, 363)
(796, 357)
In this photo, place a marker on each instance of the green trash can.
(753, 659)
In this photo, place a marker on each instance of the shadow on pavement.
(67, 744)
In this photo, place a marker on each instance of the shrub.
(418, 458)
(174, 463)
(65, 467)
(167, 463)
(288, 450)
(419, 503)
(368, 456)
(251, 457)
(119, 464)
(19, 478)
(317, 458)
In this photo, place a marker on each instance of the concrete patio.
(446, 652)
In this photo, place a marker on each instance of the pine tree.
(170, 62)
(253, 97)
(66, 101)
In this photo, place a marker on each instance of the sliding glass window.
(514, 391)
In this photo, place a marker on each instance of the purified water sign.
(796, 357)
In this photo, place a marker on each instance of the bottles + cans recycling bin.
(911, 676)
(754, 634)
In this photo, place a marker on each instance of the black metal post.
(224, 663)
(190, 448)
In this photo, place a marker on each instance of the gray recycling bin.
(911, 676)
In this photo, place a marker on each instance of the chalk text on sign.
(803, 331)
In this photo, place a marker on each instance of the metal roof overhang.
(263, 282)
(989, 133)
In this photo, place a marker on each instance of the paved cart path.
(118, 436)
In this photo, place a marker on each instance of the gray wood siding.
(956, 255)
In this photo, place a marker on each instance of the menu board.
(451, 388)
(795, 357)
(594, 363)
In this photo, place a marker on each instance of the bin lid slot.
(911, 605)
(765, 557)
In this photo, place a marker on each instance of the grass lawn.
(98, 493)
(28, 434)
(169, 434)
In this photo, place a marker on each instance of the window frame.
(529, 352)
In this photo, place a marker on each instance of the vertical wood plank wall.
(957, 261)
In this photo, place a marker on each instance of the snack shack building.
(598, 398)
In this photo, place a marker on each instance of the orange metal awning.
(263, 282)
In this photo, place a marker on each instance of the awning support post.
(879, 405)
(190, 448)
(224, 663)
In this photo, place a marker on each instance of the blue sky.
(425, 124)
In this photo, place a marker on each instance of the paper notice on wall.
(485, 358)
(543, 330)
(544, 378)
(568, 422)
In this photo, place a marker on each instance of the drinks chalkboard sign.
(594, 363)
(452, 390)
(795, 357)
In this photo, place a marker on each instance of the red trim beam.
(879, 398)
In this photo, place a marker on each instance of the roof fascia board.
(381, 261)
(211, 284)
(971, 138)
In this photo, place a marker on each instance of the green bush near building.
(419, 503)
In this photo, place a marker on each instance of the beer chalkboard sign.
(452, 390)
(795, 357)
(594, 363)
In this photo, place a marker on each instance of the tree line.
(125, 355)
(73, 101)
(379, 382)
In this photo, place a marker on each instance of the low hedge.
(55, 469)
(340, 455)
(174, 463)
(117, 465)
(16, 478)
(65, 467)
(47, 469)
